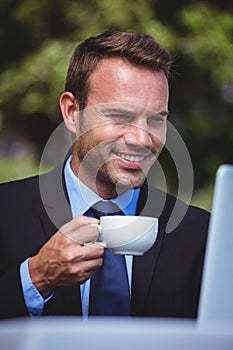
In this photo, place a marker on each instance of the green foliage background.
(36, 42)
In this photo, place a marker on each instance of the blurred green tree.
(36, 42)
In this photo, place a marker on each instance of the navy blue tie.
(109, 292)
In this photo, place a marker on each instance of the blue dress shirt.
(127, 202)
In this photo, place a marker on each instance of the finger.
(86, 253)
(76, 223)
(95, 244)
(83, 234)
(88, 269)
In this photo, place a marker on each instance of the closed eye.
(157, 119)
(122, 117)
(157, 122)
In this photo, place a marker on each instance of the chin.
(129, 182)
(123, 179)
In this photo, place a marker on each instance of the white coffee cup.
(128, 235)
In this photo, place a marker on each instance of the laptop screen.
(216, 299)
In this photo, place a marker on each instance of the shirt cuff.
(33, 299)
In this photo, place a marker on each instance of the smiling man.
(115, 103)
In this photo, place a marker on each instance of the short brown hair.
(137, 48)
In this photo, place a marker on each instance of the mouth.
(131, 161)
(131, 158)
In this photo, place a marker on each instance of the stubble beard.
(97, 172)
(122, 179)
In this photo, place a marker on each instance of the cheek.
(107, 132)
(159, 138)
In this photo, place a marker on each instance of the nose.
(137, 136)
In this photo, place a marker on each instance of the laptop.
(216, 298)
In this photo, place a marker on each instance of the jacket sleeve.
(11, 296)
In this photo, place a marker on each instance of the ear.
(70, 110)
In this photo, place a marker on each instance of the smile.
(131, 158)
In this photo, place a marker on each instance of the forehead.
(116, 80)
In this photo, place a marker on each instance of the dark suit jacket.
(166, 280)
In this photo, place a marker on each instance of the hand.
(64, 260)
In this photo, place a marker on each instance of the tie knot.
(104, 208)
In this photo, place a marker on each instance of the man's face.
(123, 128)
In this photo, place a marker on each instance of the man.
(116, 104)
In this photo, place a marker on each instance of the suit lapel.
(54, 212)
(151, 203)
(55, 207)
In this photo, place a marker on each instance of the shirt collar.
(126, 201)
